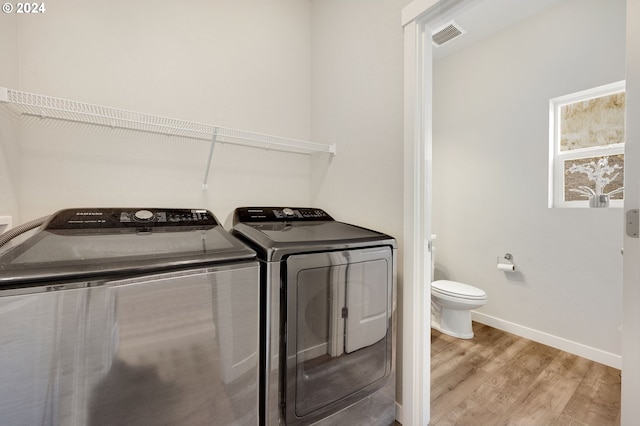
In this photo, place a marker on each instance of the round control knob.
(287, 211)
(143, 215)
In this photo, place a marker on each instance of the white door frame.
(416, 348)
(418, 19)
(631, 259)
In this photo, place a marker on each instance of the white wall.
(357, 102)
(240, 64)
(8, 148)
(327, 70)
(490, 177)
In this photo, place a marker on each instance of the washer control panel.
(279, 214)
(113, 218)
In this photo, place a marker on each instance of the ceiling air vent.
(446, 33)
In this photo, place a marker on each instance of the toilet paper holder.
(506, 263)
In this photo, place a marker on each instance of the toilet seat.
(457, 289)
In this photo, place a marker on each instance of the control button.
(287, 211)
(143, 215)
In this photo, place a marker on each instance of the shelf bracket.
(214, 137)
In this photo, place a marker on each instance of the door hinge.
(345, 312)
(632, 226)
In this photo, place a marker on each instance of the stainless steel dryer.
(328, 311)
(129, 317)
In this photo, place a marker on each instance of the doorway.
(418, 48)
(491, 167)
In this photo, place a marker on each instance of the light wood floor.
(498, 378)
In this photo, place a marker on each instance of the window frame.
(557, 158)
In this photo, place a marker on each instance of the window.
(587, 148)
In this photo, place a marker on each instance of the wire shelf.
(68, 110)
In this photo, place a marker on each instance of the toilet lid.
(454, 288)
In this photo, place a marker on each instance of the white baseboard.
(597, 355)
(398, 413)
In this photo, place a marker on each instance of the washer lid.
(276, 232)
(92, 242)
(454, 288)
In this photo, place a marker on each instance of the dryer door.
(338, 329)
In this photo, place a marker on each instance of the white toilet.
(451, 305)
(452, 302)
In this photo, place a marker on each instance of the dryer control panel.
(124, 218)
(279, 214)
